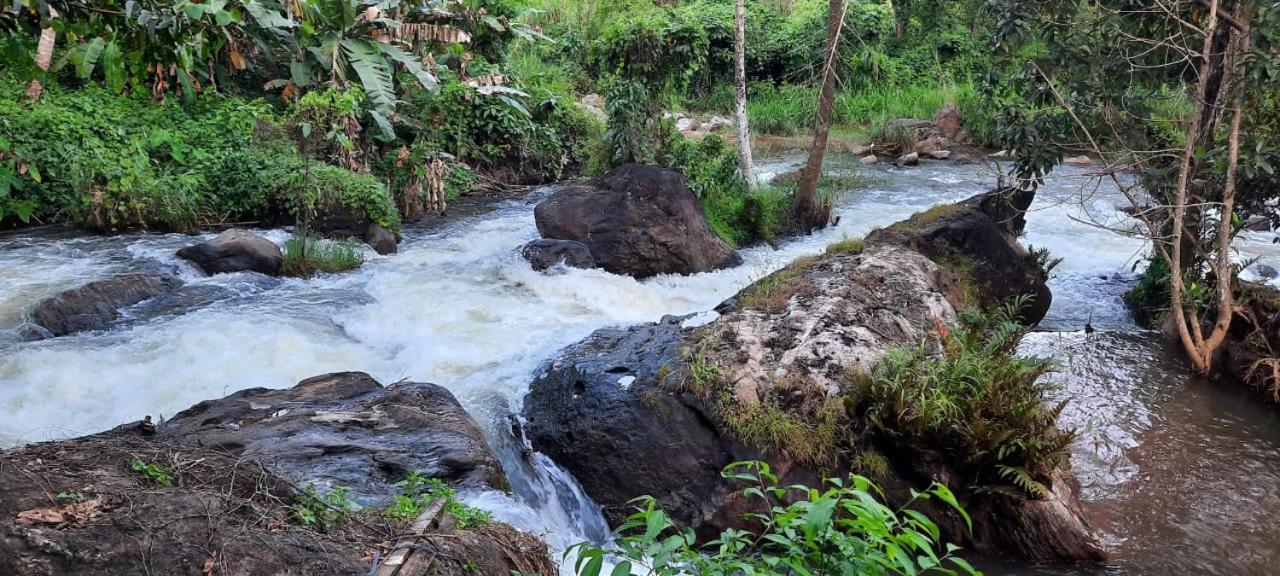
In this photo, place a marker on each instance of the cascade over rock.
(636, 220)
(622, 410)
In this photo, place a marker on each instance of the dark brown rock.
(346, 429)
(636, 220)
(96, 305)
(977, 239)
(948, 121)
(381, 240)
(235, 250)
(545, 253)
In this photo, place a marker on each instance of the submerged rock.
(912, 159)
(97, 304)
(346, 429)
(235, 250)
(213, 491)
(545, 253)
(636, 220)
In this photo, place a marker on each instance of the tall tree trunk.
(44, 57)
(811, 214)
(740, 79)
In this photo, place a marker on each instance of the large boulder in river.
(97, 304)
(235, 250)
(660, 409)
(612, 411)
(214, 490)
(977, 240)
(346, 429)
(636, 220)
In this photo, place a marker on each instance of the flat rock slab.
(346, 429)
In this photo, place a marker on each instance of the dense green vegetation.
(842, 528)
(172, 114)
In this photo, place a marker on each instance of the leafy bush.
(418, 492)
(840, 528)
(737, 214)
(306, 255)
(978, 404)
(323, 511)
(362, 194)
(95, 159)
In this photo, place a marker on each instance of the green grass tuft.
(304, 256)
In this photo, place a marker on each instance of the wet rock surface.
(977, 239)
(546, 253)
(235, 250)
(96, 305)
(232, 470)
(636, 220)
(346, 429)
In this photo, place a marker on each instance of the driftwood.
(407, 559)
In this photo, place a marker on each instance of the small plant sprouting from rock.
(151, 471)
(840, 528)
(323, 511)
(846, 246)
(417, 492)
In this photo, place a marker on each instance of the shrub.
(840, 528)
(92, 158)
(323, 511)
(418, 492)
(322, 186)
(978, 404)
(307, 255)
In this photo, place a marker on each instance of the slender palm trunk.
(740, 79)
(808, 210)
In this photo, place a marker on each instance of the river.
(1180, 474)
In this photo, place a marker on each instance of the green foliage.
(112, 162)
(841, 528)
(153, 472)
(979, 404)
(418, 492)
(649, 54)
(327, 187)
(324, 511)
(307, 255)
(1149, 298)
(736, 213)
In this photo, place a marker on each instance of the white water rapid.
(457, 306)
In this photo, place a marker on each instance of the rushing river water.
(1181, 475)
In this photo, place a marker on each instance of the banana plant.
(344, 41)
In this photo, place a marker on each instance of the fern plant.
(978, 403)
